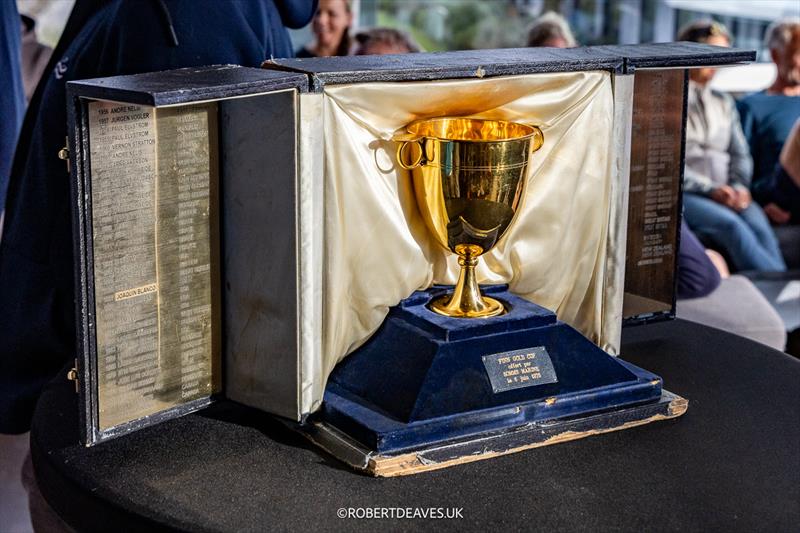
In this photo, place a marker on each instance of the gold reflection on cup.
(469, 177)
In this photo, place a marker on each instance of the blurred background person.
(12, 95)
(717, 203)
(439, 25)
(768, 116)
(331, 27)
(383, 41)
(551, 29)
(35, 56)
(786, 182)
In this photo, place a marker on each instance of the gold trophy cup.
(469, 178)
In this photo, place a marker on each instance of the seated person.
(383, 41)
(717, 202)
(700, 271)
(709, 295)
(768, 116)
(785, 184)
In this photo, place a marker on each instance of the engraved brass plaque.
(154, 228)
(653, 218)
(519, 368)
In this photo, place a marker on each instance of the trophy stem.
(466, 300)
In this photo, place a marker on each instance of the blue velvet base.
(421, 379)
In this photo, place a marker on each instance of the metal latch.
(63, 154)
(72, 375)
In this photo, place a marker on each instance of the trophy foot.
(466, 301)
(444, 305)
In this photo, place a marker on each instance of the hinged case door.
(658, 132)
(153, 155)
(654, 197)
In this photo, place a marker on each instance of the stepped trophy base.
(429, 391)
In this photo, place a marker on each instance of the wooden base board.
(486, 446)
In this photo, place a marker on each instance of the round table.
(732, 462)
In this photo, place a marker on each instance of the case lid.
(677, 55)
(622, 59)
(185, 85)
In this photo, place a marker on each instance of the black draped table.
(732, 462)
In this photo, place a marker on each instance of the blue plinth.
(424, 379)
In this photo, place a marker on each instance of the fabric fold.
(377, 249)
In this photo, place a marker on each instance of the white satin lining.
(376, 248)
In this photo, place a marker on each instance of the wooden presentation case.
(133, 369)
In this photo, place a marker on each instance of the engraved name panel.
(153, 188)
(519, 368)
(655, 175)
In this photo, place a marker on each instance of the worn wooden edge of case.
(487, 446)
(141, 89)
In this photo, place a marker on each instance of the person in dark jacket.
(113, 37)
(12, 97)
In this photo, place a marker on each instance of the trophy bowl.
(469, 178)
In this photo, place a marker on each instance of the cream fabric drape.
(376, 247)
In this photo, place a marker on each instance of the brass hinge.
(63, 154)
(72, 375)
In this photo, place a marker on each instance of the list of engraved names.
(150, 176)
(654, 187)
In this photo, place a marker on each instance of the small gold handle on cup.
(405, 140)
(538, 138)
